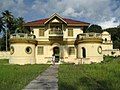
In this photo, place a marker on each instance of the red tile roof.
(68, 21)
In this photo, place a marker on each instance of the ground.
(16, 77)
(102, 76)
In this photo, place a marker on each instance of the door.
(56, 52)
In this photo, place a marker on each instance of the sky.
(105, 13)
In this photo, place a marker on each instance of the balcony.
(89, 37)
(22, 36)
(55, 32)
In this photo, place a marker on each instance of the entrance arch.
(83, 52)
(56, 52)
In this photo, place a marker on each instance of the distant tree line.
(9, 25)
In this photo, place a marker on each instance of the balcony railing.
(89, 35)
(55, 32)
(22, 36)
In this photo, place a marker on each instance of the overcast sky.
(102, 12)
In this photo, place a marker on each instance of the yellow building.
(65, 38)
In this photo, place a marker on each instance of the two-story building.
(65, 38)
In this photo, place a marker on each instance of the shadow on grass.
(65, 86)
(86, 83)
(93, 84)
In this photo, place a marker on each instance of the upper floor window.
(71, 50)
(41, 32)
(40, 50)
(70, 32)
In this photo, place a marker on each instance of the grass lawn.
(104, 76)
(16, 77)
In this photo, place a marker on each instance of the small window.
(71, 50)
(41, 32)
(11, 50)
(99, 49)
(40, 50)
(70, 32)
(28, 50)
(105, 39)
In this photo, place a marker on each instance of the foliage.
(2, 43)
(16, 77)
(9, 24)
(115, 35)
(110, 59)
(103, 76)
(94, 28)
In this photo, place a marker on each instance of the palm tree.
(1, 24)
(19, 25)
(8, 20)
(8, 23)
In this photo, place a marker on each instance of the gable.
(55, 21)
(56, 17)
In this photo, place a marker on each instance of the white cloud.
(109, 24)
(16, 6)
(93, 11)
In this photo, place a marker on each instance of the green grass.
(16, 77)
(4, 61)
(104, 76)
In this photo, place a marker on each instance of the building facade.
(65, 38)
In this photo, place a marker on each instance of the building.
(65, 38)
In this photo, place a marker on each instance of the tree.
(1, 24)
(9, 25)
(94, 28)
(8, 20)
(115, 36)
(19, 24)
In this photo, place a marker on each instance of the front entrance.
(56, 52)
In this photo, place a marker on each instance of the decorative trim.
(32, 41)
(89, 40)
(55, 41)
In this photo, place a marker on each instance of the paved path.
(46, 81)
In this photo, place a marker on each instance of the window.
(105, 39)
(28, 50)
(40, 50)
(41, 32)
(11, 50)
(99, 49)
(83, 52)
(70, 32)
(71, 50)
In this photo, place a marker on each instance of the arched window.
(105, 39)
(83, 52)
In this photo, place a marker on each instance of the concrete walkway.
(46, 81)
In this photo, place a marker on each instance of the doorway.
(83, 52)
(56, 52)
